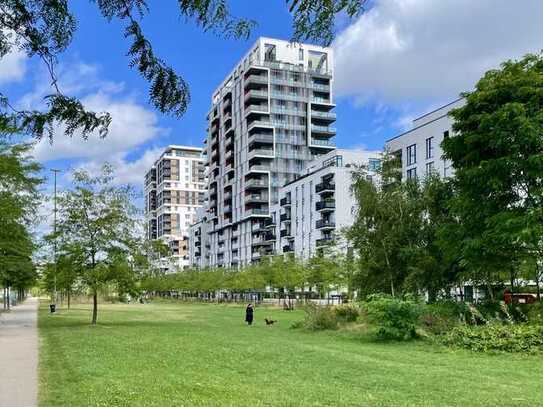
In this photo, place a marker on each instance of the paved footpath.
(19, 356)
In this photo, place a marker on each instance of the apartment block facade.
(315, 208)
(174, 189)
(420, 148)
(269, 119)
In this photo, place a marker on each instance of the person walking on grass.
(249, 314)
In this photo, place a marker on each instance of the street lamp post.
(55, 172)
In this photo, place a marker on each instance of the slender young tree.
(96, 227)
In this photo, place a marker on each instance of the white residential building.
(269, 118)
(174, 189)
(317, 206)
(420, 148)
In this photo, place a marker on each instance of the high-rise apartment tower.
(270, 117)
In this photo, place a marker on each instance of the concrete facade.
(420, 148)
(174, 190)
(269, 119)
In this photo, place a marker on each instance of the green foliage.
(19, 199)
(534, 313)
(394, 319)
(317, 318)
(440, 317)
(96, 231)
(497, 155)
(496, 337)
(347, 312)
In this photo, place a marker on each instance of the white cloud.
(12, 67)
(132, 124)
(126, 172)
(428, 50)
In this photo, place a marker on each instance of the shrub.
(394, 318)
(496, 337)
(347, 313)
(442, 316)
(534, 313)
(317, 318)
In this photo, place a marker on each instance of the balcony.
(270, 237)
(288, 248)
(285, 217)
(256, 94)
(328, 116)
(256, 184)
(325, 130)
(325, 224)
(259, 109)
(258, 79)
(325, 187)
(322, 143)
(259, 168)
(326, 205)
(256, 198)
(324, 241)
(270, 223)
(261, 152)
(285, 201)
(261, 138)
(285, 233)
(257, 212)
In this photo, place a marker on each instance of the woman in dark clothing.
(249, 314)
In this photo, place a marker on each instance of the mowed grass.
(169, 354)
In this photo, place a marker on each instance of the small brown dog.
(269, 321)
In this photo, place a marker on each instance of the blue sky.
(398, 60)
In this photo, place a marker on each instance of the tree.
(45, 29)
(386, 230)
(96, 226)
(497, 154)
(18, 202)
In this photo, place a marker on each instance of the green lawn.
(203, 355)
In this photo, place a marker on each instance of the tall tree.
(96, 226)
(45, 29)
(497, 154)
(19, 198)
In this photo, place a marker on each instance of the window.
(446, 134)
(429, 147)
(430, 168)
(301, 54)
(374, 164)
(412, 173)
(412, 154)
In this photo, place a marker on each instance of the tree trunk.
(94, 307)
(69, 297)
(9, 299)
(537, 281)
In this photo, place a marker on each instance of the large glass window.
(412, 173)
(429, 147)
(412, 154)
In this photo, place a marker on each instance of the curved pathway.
(19, 356)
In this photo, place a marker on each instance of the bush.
(496, 337)
(534, 313)
(347, 313)
(317, 318)
(442, 316)
(395, 319)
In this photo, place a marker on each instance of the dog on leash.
(269, 321)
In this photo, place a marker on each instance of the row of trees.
(285, 276)
(484, 225)
(19, 199)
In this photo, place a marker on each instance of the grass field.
(202, 355)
